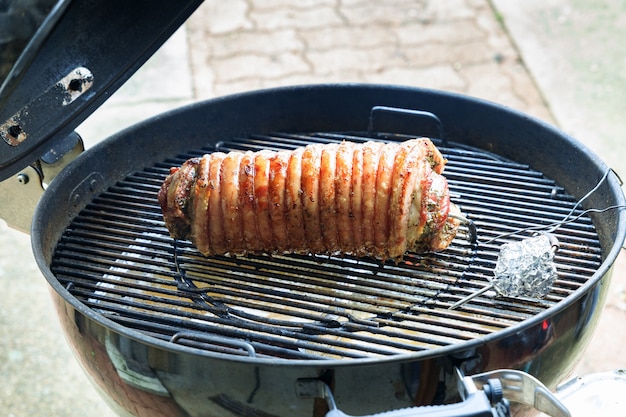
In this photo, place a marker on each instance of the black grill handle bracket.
(409, 121)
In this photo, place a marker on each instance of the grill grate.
(118, 259)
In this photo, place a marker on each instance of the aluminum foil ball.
(525, 268)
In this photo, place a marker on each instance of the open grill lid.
(117, 258)
(80, 54)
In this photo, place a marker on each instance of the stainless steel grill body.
(234, 335)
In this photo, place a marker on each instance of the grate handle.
(410, 121)
(217, 340)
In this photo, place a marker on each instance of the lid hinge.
(21, 192)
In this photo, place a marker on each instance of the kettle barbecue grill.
(162, 330)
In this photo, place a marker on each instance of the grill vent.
(118, 259)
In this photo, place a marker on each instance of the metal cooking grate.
(118, 259)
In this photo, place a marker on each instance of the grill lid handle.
(524, 388)
(484, 395)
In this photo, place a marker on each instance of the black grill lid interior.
(81, 53)
(24, 25)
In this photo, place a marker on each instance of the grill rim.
(131, 196)
(91, 185)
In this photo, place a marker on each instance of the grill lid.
(80, 54)
(118, 259)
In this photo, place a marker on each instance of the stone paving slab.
(453, 45)
(574, 49)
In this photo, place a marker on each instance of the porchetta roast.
(367, 199)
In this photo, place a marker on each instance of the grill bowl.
(144, 375)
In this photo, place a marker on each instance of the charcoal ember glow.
(526, 268)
